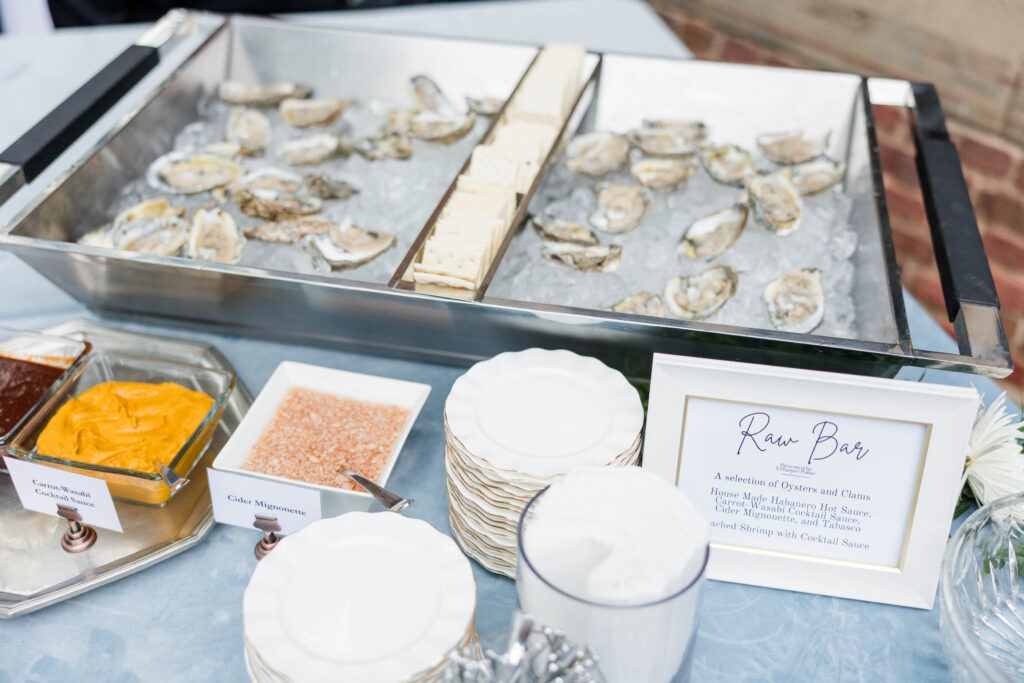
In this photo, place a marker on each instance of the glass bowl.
(981, 593)
(652, 641)
(41, 349)
(136, 486)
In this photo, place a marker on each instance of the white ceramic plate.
(544, 412)
(334, 501)
(372, 597)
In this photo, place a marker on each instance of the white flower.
(995, 463)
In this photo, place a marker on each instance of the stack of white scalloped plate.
(515, 422)
(369, 597)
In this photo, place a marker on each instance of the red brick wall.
(993, 166)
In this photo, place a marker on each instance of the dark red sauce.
(22, 383)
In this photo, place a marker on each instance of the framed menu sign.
(812, 481)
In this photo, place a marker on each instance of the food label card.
(42, 489)
(813, 481)
(239, 499)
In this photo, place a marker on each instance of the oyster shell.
(225, 150)
(306, 113)
(326, 187)
(387, 145)
(796, 301)
(249, 129)
(641, 303)
(812, 177)
(559, 230)
(429, 96)
(443, 128)
(694, 297)
(310, 150)
(665, 138)
(150, 208)
(791, 147)
(274, 206)
(102, 236)
(235, 92)
(268, 178)
(620, 208)
(291, 231)
(347, 246)
(664, 174)
(161, 235)
(484, 106)
(179, 173)
(727, 164)
(711, 235)
(597, 153)
(777, 204)
(214, 236)
(596, 258)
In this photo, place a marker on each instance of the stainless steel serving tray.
(376, 318)
(35, 572)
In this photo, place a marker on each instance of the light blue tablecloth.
(181, 620)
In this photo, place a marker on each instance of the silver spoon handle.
(391, 501)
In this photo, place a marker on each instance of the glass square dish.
(98, 367)
(21, 395)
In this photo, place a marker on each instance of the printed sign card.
(238, 500)
(42, 488)
(813, 481)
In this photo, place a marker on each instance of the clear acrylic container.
(650, 642)
(42, 349)
(136, 486)
(981, 594)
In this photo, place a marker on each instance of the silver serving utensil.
(391, 501)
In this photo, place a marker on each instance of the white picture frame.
(692, 437)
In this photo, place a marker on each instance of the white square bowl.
(333, 501)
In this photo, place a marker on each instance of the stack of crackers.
(473, 222)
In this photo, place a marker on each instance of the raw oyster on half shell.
(796, 301)
(560, 230)
(213, 235)
(620, 208)
(596, 258)
(386, 145)
(597, 153)
(484, 106)
(664, 174)
(791, 147)
(641, 303)
(327, 187)
(189, 174)
(310, 150)
(161, 235)
(711, 235)
(290, 231)
(727, 164)
(249, 129)
(777, 204)
(817, 175)
(303, 113)
(668, 138)
(347, 245)
(274, 206)
(694, 297)
(235, 92)
(443, 128)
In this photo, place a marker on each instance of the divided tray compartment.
(35, 572)
(402, 278)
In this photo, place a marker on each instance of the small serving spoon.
(390, 500)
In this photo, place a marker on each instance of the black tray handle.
(45, 141)
(959, 251)
(972, 303)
